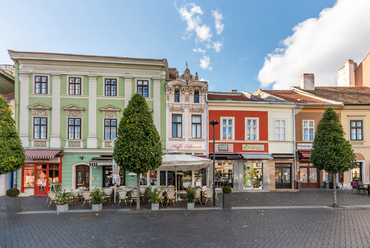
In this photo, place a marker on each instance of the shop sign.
(223, 148)
(52, 160)
(180, 146)
(248, 147)
(301, 146)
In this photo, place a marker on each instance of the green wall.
(63, 85)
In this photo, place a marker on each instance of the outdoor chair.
(198, 196)
(171, 197)
(133, 196)
(354, 185)
(142, 194)
(209, 195)
(108, 192)
(52, 198)
(122, 197)
(360, 186)
(86, 198)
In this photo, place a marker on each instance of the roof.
(346, 95)
(7, 74)
(41, 153)
(8, 97)
(292, 96)
(225, 96)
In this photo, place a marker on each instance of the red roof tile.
(291, 96)
(223, 96)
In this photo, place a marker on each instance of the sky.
(237, 44)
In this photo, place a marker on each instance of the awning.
(100, 161)
(256, 156)
(41, 153)
(305, 154)
(282, 155)
(224, 156)
(181, 161)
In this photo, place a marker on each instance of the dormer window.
(177, 95)
(196, 96)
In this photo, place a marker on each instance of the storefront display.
(224, 174)
(253, 175)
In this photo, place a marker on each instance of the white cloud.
(205, 63)
(199, 50)
(203, 33)
(218, 18)
(321, 46)
(217, 46)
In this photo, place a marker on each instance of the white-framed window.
(279, 129)
(176, 126)
(143, 87)
(308, 130)
(74, 85)
(251, 128)
(40, 127)
(227, 128)
(196, 126)
(356, 130)
(110, 86)
(74, 128)
(41, 84)
(110, 129)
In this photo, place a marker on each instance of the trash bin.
(298, 184)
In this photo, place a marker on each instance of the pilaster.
(157, 104)
(23, 108)
(128, 89)
(55, 139)
(92, 141)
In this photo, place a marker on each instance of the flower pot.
(155, 206)
(226, 201)
(191, 206)
(62, 208)
(13, 204)
(97, 207)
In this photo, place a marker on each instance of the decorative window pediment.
(110, 111)
(39, 109)
(73, 110)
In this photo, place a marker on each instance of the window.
(41, 84)
(176, 126)
(196, 96)
(39, 128)
(110, 129)
(29, 175)
(251, 129)
(357, 172)
(177, 95)
(227, 128)
(279, 129)
(75, 86)
(253, 175)
(308, 130)
(143, 87)
(74, 128)
(110, 87)
(356, 130)
(196, 126)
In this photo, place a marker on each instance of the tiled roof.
(292, 96)
(9, 96)
(346, 95)
(224, 96)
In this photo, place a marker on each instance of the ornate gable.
(39, 109)
(110, 111)
(73, 110)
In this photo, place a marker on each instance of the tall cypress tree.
(331, 151)
(138, 146)
(11, 151)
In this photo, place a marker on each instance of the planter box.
(155, 206)
(191, 206)
(62, 208)
(226, 201)
(97, 207)
(13, 204)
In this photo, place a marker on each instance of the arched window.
(177, 95)
(196, 96)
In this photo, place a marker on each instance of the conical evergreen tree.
(11, 151)
(331, 151)
(138, 146)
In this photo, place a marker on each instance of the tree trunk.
(335, 203)
(138, 191)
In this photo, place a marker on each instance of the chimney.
(234, 91)
(346, 74)
(307, 81)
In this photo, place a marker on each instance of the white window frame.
(34, 84)
(117, 86)
(278, 134)
(68, 118)
(104, 138)
(143, 79)
(247, 127)
(362, 130)
(233, 127)
(201, 126)
(82, 80)
(308, 128)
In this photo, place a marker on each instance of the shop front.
(42, 169)
(106, 164)
(308, 174)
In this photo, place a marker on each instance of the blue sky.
(256, 44)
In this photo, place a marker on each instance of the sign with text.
(224, 147)
(301, 146)
(249, 147)
(182, 146)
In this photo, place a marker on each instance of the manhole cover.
(90, 216)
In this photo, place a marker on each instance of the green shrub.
(97, 196)
(226, 189)
(13, 192)
(190, 194)
(63, 197)
(155, 196)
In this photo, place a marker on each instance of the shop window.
(224, 174)
(143, 87)
(144, 178)
(110, 87)
(356, 130)
(198, 176)
(41, 84)
(40, 128)
(227, 128)
(357, 172)
(110, 129)
(196, 96)
(279, 129)
(251, 129)
(176, 126)
(75, 86)
(29, 175)
(177, 95)
(74, 128)
(196, 126)
(308, 130)
(253, 175)
(153, 177)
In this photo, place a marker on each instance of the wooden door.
(283, 176)
(82, 176)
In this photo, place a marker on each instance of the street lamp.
(213, 123)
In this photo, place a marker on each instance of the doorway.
(82, 176)
(309, 176)
(283, 176)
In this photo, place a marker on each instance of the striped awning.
(101, 161)
(41, 153)
(305, 154)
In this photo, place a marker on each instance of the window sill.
(176, 139)
(196, 139)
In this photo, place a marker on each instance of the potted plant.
(226, 202)
(154, 198)
(13, 202)
(190, 195)
(62, 198)
(97, 197)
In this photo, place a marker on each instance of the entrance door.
(41, 186)
(82, 176)
(309, 177)
(283, 176)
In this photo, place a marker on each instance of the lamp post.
(213, 123)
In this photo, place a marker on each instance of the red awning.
(41, 153)
(305, 154)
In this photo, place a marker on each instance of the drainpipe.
(294, 151)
